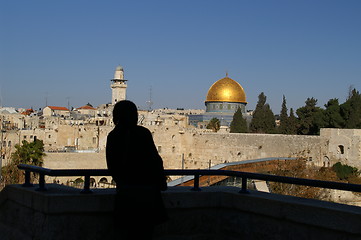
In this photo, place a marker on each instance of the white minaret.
(119, 86)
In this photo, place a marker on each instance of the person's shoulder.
(112, 132)
(142, 129)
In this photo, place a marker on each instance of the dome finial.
(226, 73)
(119, 68)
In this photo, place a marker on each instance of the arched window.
(103, 180)
(341, 149)
(92, 182)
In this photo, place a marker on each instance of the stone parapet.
(212, 213)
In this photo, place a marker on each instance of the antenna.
(1, 97)
(46, 99)
(68, 98)
(149, 102)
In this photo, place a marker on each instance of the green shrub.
(344, 171)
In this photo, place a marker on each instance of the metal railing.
(87, 173)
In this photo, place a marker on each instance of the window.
(341, 149)
(159, 149)
(94, 140)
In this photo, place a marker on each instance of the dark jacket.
(137, 169)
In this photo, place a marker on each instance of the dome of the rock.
(226, 90)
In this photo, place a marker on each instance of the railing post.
(41, 183)
(27, 182)
(244, 185)
(86, 188)
(196, 183)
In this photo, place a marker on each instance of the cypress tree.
(292, 123)
(263, 120)
(214, 124)
(284, 120)
(238, 124)
(351, 110)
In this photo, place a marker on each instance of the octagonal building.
(224, 97)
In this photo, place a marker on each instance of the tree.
(263, 120)
(292, 123)
(351, 110)
(310, 118)
(284, 119)
(28, 153)
(214, 124)
(238, 124)
(332, 114)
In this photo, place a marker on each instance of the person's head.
(125, 113)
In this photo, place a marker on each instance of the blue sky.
(68, 50)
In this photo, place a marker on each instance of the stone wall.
(192, 148)
(95, 160)
(201, 149)
(343, 145)
(196, 148)
(213, 213)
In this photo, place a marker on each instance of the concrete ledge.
(213, 213)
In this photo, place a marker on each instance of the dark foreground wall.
(213, 213)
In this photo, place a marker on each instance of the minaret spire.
(119, 85)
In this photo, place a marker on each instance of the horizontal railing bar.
(64, 172)
(200, 172)
(272, 178)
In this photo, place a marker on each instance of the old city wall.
(197, 148)
(343, 145)
(191, 148)
(94, 160)
(201, 149)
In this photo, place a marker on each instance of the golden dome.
(226, 90)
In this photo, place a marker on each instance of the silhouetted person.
(137, 169)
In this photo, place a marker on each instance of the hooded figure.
(138, 172)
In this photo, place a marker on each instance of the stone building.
(86, 110)
(56, 111)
